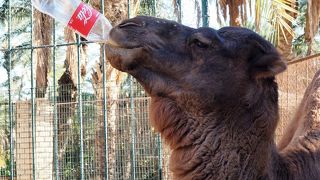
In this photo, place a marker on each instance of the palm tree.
(281, 15)
(42, 30)
(272, 19)
(237, 11)
(67, 92)
(285, 38)
(115, 11)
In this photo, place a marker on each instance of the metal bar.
(154, 7)
(10, 95)
(113, 101)
(55, 115)
(205, 16)
(80, 110)
(179, 11)
(160, 163)
(46, 46)
(132, 122)
(133, 132)
(105, 112)
(33, 120)
(129, 6)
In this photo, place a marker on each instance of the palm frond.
(277, 15)
(258, 10)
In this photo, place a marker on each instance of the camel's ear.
(265, 61)
(267, 66)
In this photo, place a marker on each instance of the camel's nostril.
(129, 23)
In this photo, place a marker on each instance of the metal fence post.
(105, 112)
(154, 7)
(205, 16)
(179, 11)
(159, 156)
(33, 121)
(80, 110)
(132, 121)
(55, 116)
(10, 96)
(133, 132)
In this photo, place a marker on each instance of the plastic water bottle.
(82, 18)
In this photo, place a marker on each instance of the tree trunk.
(233, 7)
(112, 93)
(42, 36)
(115, 11)
(67, 92)
(312, 22)
(235, 19)
(71, 62)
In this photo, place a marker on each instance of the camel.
(214, 100)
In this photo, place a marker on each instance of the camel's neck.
(236, 145)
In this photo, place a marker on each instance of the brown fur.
(214, 100)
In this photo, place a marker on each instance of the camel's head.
(203, 67)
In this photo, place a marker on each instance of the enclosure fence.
(83, 132)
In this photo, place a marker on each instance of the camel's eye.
(200, 44)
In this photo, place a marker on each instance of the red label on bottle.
(83, 19)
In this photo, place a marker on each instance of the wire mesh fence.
(134, 150)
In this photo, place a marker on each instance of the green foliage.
(20, 37)
(147, 7)
(70, 160)
(20, 10)
(4, 137)
(299, 44)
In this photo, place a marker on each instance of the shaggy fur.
(214, 100)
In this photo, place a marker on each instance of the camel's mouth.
(116, 49)
(122, 57)
(116, 45)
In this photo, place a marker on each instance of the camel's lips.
(121, 57)
(112, 43)
(115, 45)
(114, 50)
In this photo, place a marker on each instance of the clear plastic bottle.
(82, 18)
